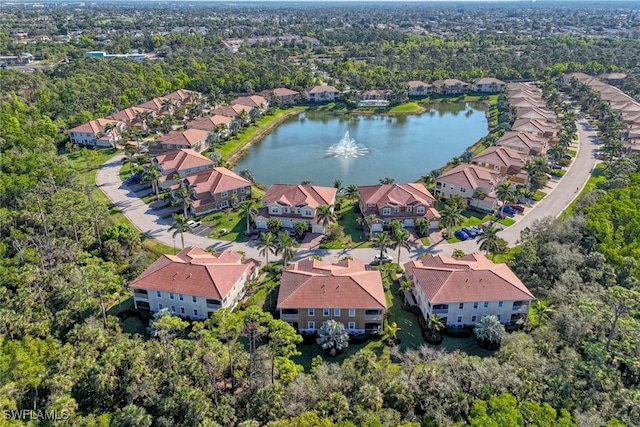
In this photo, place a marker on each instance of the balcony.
(289, 316)
(140, 294)
(214, 306)
(373, 317)
(440, 311)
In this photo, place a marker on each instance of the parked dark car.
(518, 208)
(461, 235)
(134, 179)
(470, 231)
(507, 210)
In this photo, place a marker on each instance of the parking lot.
(202, 230)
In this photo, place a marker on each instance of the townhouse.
(216, 189)
(134, 117)
(295, 203)
(97, 133)
(540, 127)
(489, 85)
(322, 93)
(282, 96)
(179, 162)
(397, 202)
(194, 139)
(475, 184)
(450, 87)
(530, 144)
(505, 161)
(419, 88)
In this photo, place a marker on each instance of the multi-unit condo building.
(162, 106)
(450, 87)
(184, 96)
(505, 161)
(539, 127)
(97, 133)
(181, 163)
(282, 96)
(530, 144)
(313, 292)
(419, 88)
(295, 203)
(194, 139)
(322, 93)
(211, 123)
(194, 283)
(253, 101)
(231, 110)
(397, 202)
(133, 117)
(488, 85)
(475, 184)
(462, 291)
(215, 189)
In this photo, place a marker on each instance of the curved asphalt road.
(560, 196)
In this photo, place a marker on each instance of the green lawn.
(572, 152)
(410, 333)
(539, 195)
(227, 225)
(409, 107)
(237, 143)
(464, 345)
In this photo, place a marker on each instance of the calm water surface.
(400, 147)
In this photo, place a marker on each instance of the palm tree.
(337, 184)
(435, 323)
(351, 191)
(489, 330)
(243, 118)
(400, 240)
(333, 337)
(539, 313)
(266, 245)
(180, 226)
(369, 219)
(505, 193)
(325, 215)
(182, 197)
(451, 216)
(285, 245)
(167, 104)
(153, 174)
(489, 240)
(129, 159)
(382, 241)
(248, 175)
(557, 152)
(248, 211)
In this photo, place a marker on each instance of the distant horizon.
(18, 2)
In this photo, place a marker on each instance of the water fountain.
(347, 147)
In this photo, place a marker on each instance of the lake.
(402, 147)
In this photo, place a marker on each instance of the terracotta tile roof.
(231, 110)
(400, 195)
(470, 176)
(321, 89)
(314, 284)
(523, 86)
(527, 101)
(472, 278)
(616, 97)
(529, 140)
(129, 114)
(417, 83)
(250, 101)
(182, 94)
(501, 156)
(283, 91)
(215, 181)
(489, 80)
(178, 160)
(155, 104)
(613, 76)
(533, 125)
(94, 126)
(188, 138)
(209, 123)
(582, 77)
(535, 113)
(524, 93)
(300, 195)
(195, 272)
(449, 83)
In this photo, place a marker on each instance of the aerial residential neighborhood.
(353, 214)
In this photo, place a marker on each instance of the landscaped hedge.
(465, 332)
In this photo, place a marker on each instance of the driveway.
(559, 197)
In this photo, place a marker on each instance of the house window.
(486, 304)
(352, 312)
(181, 310)
(274, 210)
(461, 305)
(194, 299)
(159, 294)
(452, 187)
(308, 212)
(311, 324)
(396, 209)
(475, 305)
(224, 204)
(285, 209)
(409, 208)
(386, 211)
(181, 297)
(224, 194)
(462, 190)
(195, 311)
(160, 307)
(298, 210)
(352, 325)
(170, 295)
(500, 304)
(235, 191)
(336, 312)
(325, 312)
(473, 318)
(173, 308)
(311, 312)
(499, 316)
(459, 319)
(420, 209)
(242, 190)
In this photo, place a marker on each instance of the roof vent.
(189, 276)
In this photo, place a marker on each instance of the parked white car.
(193, 224)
